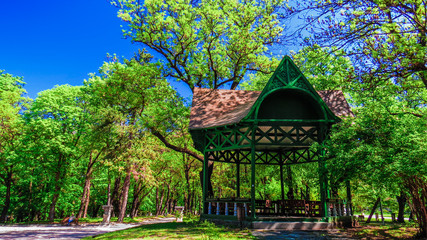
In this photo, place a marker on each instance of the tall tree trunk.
(115, 198)
(56, 194)
(210, 171)
(53, 205)
(87, 202)
(166, 206)
(124, 200)
(141, 198)
(86, 189)
(30, 215)
(159, 202)
(418, 190)
(401, 201)
(85, 198)
(135, 203)
(8, 184)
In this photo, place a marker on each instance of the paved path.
(56, 231)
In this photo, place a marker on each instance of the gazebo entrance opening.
(286, 195)
(274, 127)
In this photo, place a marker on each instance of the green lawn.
(190, 229)
(387, 231)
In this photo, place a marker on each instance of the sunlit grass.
(189, 229)
(387, 231)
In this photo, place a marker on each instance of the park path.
(57, 231)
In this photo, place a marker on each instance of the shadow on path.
(56, 231)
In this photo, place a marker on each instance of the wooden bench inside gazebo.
(275, 126)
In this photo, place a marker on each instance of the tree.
(57, 123)
(12, 103)
(376, 32)
(204, 44)
(211, 44)
(326, 68)
(386, 41)
(126, 92)
(385, 151)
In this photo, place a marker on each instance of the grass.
(387, 231)
(189, 229)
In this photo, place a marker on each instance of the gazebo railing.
(337, 207)
(228, 206)
(301, 208)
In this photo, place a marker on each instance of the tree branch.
(174, 147)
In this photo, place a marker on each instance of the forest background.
(122, 137)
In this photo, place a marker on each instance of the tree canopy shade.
(210, 44)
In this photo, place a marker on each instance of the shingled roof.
(213, 108)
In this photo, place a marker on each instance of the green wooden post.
(253, 172)
(205, 183)
(238, 180)
(323, 184)
(282, 188)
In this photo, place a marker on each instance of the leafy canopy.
(211, 43)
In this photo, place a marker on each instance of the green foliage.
(12, 104)
(56, 127)
(205, 44)
(385, 39)
(325, 68)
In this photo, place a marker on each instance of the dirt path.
(56, 231)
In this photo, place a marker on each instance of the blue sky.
(55, 42)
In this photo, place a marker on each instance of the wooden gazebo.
(276, 126)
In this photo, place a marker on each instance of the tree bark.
(136, 202)
(124, 200)
(87, 202)
(86, 189)
(401, 201)
(159, 202)
(115, 198)
(85, 198)
(418, 191)
(165, 208)
(52, 207)
(210, 171)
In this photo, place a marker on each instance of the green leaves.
(210, 44)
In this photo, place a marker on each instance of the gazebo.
(276, 126)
